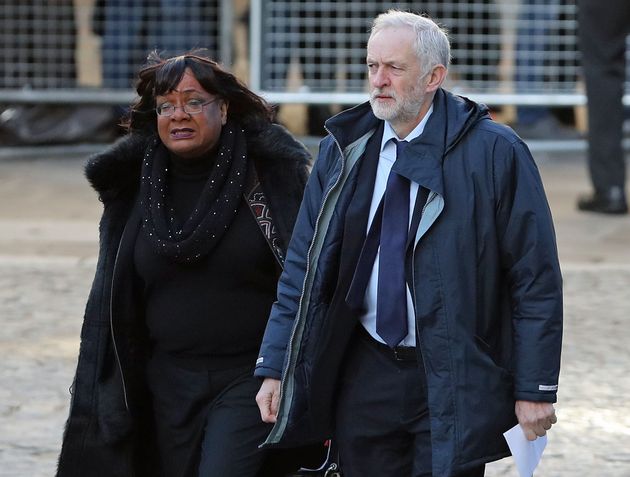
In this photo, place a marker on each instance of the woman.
(199, 203)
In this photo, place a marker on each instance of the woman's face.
(191, 135)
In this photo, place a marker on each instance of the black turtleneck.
(212, 312)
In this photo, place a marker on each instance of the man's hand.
(267, 399)
(536, 418)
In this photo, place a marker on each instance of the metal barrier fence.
(89, 50)
(504, 51)
(86, 51)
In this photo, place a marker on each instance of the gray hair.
(431, 43)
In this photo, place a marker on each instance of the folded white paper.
(526, 453)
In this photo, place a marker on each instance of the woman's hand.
(536, 418)
(267, 399)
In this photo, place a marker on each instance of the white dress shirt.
(386, 159)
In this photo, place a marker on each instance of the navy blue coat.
(484, 273)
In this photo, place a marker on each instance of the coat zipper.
(111, 320)
(289, 351)
(413, 287)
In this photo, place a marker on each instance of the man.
(474, 344)
(603, 29)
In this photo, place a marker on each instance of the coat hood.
(452, 118)
(116, 171)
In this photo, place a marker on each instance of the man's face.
(397, 83)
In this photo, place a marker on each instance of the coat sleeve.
(290, 286)
(529, 258)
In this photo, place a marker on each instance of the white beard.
(403, 109)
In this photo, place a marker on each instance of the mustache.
(378, 92)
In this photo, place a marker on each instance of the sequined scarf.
(215, 209)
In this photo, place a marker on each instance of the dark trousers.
(207, 422)
(602, 35)
(382, 419)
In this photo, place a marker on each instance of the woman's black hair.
(161, 75)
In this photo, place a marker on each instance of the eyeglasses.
(193, 106)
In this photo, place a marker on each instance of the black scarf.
(215, 209)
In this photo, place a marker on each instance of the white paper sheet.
(526, 453)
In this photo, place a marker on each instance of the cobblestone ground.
(47, 245)
(41, 309)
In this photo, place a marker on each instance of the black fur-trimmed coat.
(103, 435)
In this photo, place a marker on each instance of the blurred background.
(67, 66)
(66, 76)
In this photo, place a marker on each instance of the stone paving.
(48, 225)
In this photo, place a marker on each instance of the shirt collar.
(389, 133)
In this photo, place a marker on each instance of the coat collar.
(116, 170)
(453, 116)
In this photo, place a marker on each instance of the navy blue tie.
(391, 301)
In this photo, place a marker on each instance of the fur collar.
(116, 171)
